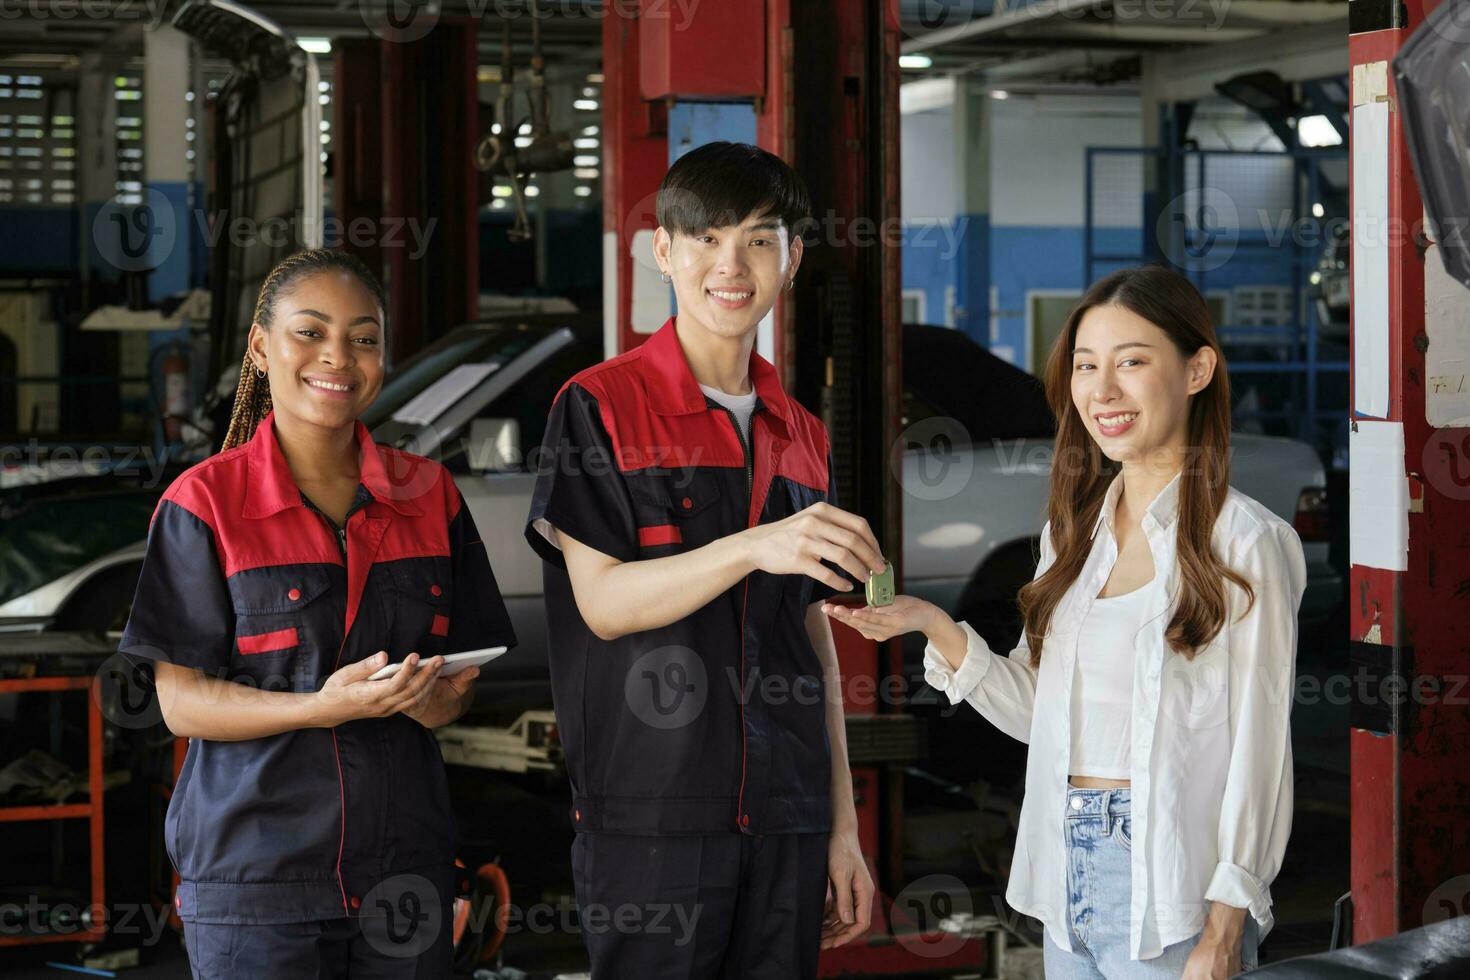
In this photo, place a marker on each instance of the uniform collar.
(672, 389)
(270, 488)
(1159, 515)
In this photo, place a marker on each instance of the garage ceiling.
(1012, 43)
(1102, 41)
(50, 33)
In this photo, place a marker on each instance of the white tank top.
(1102, 687)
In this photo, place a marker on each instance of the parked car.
(71, 551)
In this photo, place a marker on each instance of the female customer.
(1153, 680)
(310, 825)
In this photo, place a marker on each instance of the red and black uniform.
(697, 751)
(246, 580)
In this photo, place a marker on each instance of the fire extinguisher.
(175, 370)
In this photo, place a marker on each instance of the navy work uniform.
(321, 851)
(697, 752)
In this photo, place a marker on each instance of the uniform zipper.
(341, 535)
(749, 457)
(340, 532)
(741, 817)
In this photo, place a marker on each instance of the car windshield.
(42, 540)
(430, 374)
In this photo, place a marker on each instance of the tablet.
(453, 663)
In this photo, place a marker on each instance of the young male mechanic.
(683, 507)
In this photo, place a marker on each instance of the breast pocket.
(678, 510)
(275, 640)
(422, 602)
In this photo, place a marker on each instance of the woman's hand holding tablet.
(453, 663)
(348, 694)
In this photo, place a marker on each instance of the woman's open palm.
(906, 615)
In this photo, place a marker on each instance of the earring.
(790, 284)
(259, 373)
(666, 278)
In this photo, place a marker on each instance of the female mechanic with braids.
(311, 826)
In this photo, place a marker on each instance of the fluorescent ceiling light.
(1316, 131)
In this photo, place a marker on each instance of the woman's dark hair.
(721, 184)
(253, 394)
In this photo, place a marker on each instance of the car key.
(880, 586)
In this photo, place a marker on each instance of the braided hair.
(253, 394)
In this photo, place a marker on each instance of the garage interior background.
(157, 158)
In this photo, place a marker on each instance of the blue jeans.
(1099, 876)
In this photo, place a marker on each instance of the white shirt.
(1211, 798)
(741, 406)
(1102, 686)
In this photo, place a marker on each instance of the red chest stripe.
(266, 642)
(660, 534)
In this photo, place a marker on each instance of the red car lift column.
(407, 123)
(1410, 530)
(635, 157)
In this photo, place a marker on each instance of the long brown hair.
(1080, 473)
(253, 393)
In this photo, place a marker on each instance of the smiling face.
(323, 349)
(1131, 385)
(727, 279)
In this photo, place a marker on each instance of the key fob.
(880, 586)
